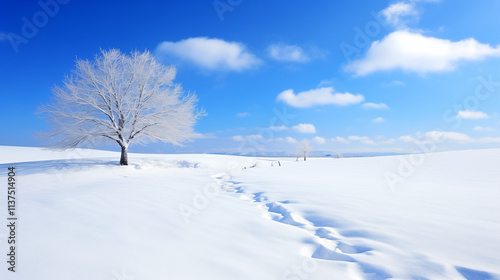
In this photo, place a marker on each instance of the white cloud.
(305, 128)
(238, 138)
(358, 138)
(291, 140)
(370, 105)
(204, 136)
(362, 139)
(488, 140)
(472, 115)
(242, 114)
(212, 54)
(414, 52)
(438, 136)
(368, 142)
(448, 136)
(378, 120)
(458, 137)
(481, 128)
(340, 140)
(320, 96)
(397, 13)
(407, 138)
(246, 138)
(290, 53)
(278, 128)
(319, 140)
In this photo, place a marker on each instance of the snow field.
(223, 217)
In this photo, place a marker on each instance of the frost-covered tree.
(304, 148)
(123, 99)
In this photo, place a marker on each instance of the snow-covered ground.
(224, 217)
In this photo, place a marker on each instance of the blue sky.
(349, 76)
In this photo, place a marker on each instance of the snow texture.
(82, 216)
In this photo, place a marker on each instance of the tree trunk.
(124, 156)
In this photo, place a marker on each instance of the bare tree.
(123, 99)
(304, 148)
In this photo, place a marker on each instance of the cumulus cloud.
(472, 115)
(305, 128)
(413, 52)
(358, 138)
(407, 138)
(290, 140)
(457, 137)
(370, 105)
(438, 136)
(398, 13)
(317, 97)
(362, 139)
(246, 138)
(481, 128)
(319, 140)
(340, 140)
(488, 140)
(238, 138)
(209, 53)
(447, 136)
(378, 120)
(289, 53)
(204, 136)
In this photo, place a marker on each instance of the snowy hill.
(81, 216)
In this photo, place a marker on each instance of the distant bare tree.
(304, 148)
(122, 99)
